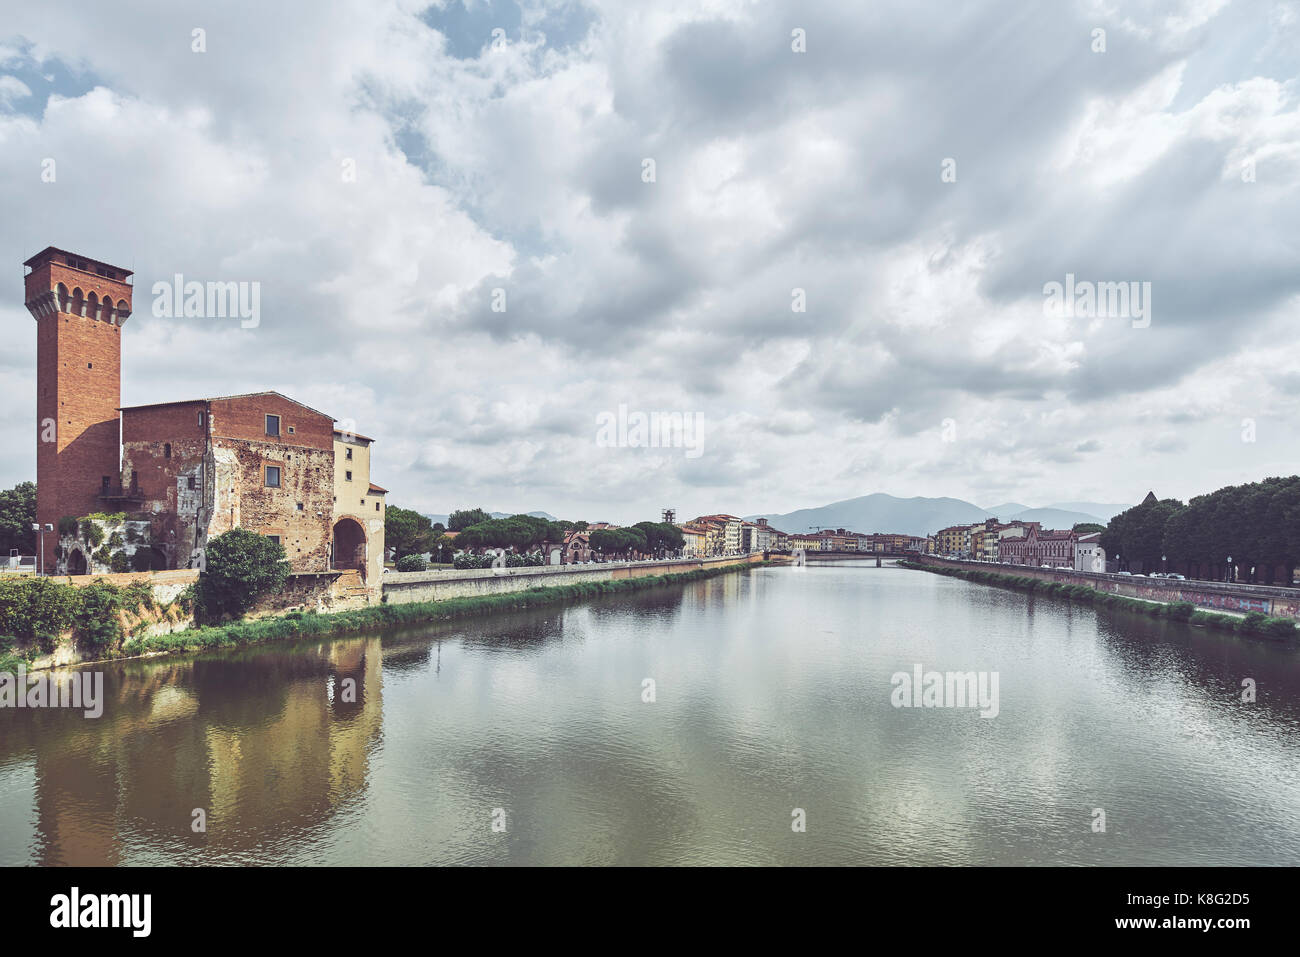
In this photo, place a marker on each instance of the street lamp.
(1164, 567)
(40, 531)
(1229, 570)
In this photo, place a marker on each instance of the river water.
(771, 738)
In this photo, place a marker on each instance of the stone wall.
(438, 585)
(1278, 602)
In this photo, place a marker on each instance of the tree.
(444, 547)
(240, 568)
(1138, 534)
(661, 537)
(462, 519)
(407, 532)
(518, 532)
(1087, 528)
(618, 541)
(17, 514)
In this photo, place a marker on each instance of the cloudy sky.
(380, 167)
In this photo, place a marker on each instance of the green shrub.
(412, 563)
(138, 596)
(119, 562)
(36, 609)
(67, 525)
(97, 619)
(241, 567)
(91, 533)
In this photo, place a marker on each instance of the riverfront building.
(179, 472)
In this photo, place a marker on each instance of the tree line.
(1256, 524)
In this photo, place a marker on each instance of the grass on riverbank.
(374, 617)
(1254, 623)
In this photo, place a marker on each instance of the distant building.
(1089, 556)
(1039, 547)
(731, 532)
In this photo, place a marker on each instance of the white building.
(1089, 556)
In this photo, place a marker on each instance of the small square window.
(273, 425)
(192, 482)
(300, 506)
(291, 430)
(274, 538)
(273, 476)
(376, 506)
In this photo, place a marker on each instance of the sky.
(823, 231)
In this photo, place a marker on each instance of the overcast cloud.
(924, 364)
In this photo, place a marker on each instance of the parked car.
(1177, 578)
(1125, 574)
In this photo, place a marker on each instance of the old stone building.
(201, 467)
(186, 471)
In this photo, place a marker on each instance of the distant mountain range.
(443, 518)
(924, 516)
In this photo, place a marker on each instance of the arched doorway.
(150, 559)
(76, 562)
(349, 545)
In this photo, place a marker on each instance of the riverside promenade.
(440, 584)
(1217, 596)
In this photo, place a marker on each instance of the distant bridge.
(820, 556)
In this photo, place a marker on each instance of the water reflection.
(771, 693)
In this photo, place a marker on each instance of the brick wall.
(244, 417)
(163, 450)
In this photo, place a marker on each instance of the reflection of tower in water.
(268, 746)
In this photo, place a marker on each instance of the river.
(769, 736)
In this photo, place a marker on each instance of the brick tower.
(80, 306)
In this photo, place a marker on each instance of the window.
(376, 506)
(273, 425)
(273, 476)
(291, 430)
(191, 482)
(300, 506)
(200, 420)
(104, 482)
(90, 365)
(274, 538)
(349, 455)
(347, 476)
(167, 450)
